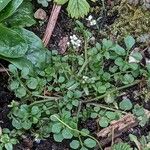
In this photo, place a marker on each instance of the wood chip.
(119, 126)
(40, 14)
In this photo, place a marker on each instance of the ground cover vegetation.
(103, 75)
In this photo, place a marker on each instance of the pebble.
(40, 14)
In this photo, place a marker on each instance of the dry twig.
(51, 23)
(119, 126)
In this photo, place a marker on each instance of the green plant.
(44, 3)
(139, 112)
(122, 146)
(103, 114)
(76, 8)
(7, 142)
(77, 84)
(18, 14)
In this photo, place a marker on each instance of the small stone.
(40, 14)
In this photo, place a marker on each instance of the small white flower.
(147, 61)
(132, 60)
(37, 140)
(68, 43)
(75, 41)
(93, 22)
(89, 18)
(75, 37)
(78, 45)
(85, 78)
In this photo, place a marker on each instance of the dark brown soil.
(64, 26)
(48, 144)
(5, 98)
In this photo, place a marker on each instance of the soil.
(63, 26)
(49, 144)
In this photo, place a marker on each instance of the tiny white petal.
(71, 37)
(78, 41)
(90, 18)
(93, 22)
(132, 60)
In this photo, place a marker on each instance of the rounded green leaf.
(26, 125)
(56, 128)
(90, 143)
(103, 122)
(75, 144)
(16, 124)
(75, 103)
(20, 92)
(32, 83)
(61, 79)
(35, 110)
(14, 85)
(94, 115)
(119, 50)
(83, 148)
(102, 89)
(127, 79)
(96, 108)
(111, 115)
(119, 61)
(125, 104)
(137, 55)
(8, 146)
(58, 137)
(24, 72)
(129, 41)
(12, 45)
(85, 132)
(67, 133)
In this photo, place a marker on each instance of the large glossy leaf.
(3, 4)
(23, 16)
(12, 45)
(36, 53)
(20, 63)
(10, 9)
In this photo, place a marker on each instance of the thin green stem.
(24, 86)
(113, 91)
(80, 140)
(118, 73)
(107, 108)
(86, 60)
(80, 132)
(48, 97)
(103, 4)
(43, 101)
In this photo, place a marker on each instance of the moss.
(132, 20)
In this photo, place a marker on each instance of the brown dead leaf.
(63, 44)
